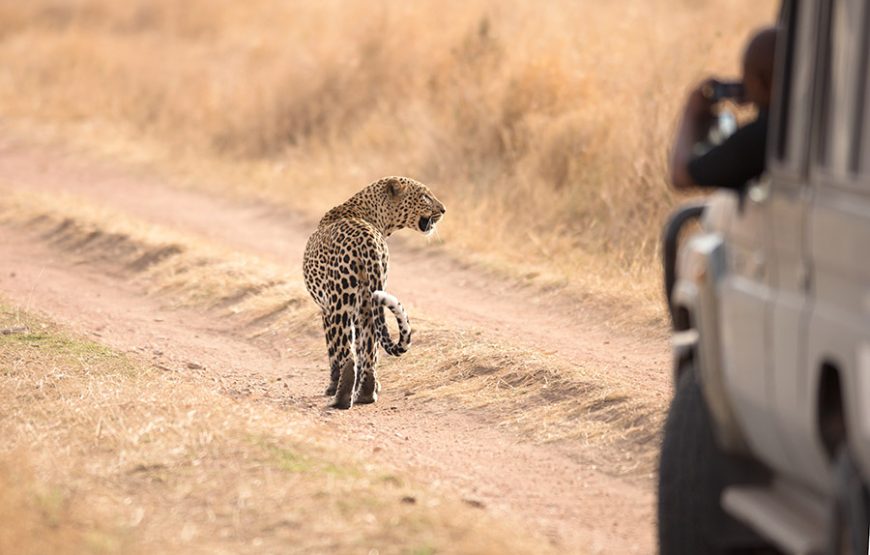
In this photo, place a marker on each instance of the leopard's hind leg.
(367, 359)
(334, 362)
(344, 390)
(339, 338)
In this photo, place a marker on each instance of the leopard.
(345, 271)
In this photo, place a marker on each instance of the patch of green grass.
(28, 332)
(51, 504)
(392, 480)
(100, 542)
(58, 343)
(289, 460)
(294, 461)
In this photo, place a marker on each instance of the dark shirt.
(739, 159)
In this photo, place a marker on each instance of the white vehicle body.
(771, 301)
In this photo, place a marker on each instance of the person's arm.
(732, 164)
(694, 125)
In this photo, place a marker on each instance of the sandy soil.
(559, 494)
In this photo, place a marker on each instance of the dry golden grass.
(534, 394)
(102, 454)
(38, 518)
(544, 126)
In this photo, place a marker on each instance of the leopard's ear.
(395, 188)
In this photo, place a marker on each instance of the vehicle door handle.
(759, 192)
(803, 275)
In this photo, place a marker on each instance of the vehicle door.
(764, 296)
(794, 143)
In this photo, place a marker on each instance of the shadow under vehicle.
(767, 444)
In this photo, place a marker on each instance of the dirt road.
(578, 506)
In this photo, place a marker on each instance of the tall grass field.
(543, 125)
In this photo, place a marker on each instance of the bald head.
(758, 66)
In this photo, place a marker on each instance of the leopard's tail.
(377, 300)
(382, 299)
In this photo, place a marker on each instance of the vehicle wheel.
(851, 514)
(693, 471)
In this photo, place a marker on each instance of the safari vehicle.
(767, 444)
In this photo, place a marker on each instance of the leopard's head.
(410, 204)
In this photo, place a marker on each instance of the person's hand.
(699, 106)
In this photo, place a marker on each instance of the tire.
(851, 512)
(693, 471)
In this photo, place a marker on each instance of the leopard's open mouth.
(427, 223)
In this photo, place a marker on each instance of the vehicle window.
(842, 55)
(795, 83)
(860, 161)
(788, 21)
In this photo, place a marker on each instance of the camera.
(720, 90)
